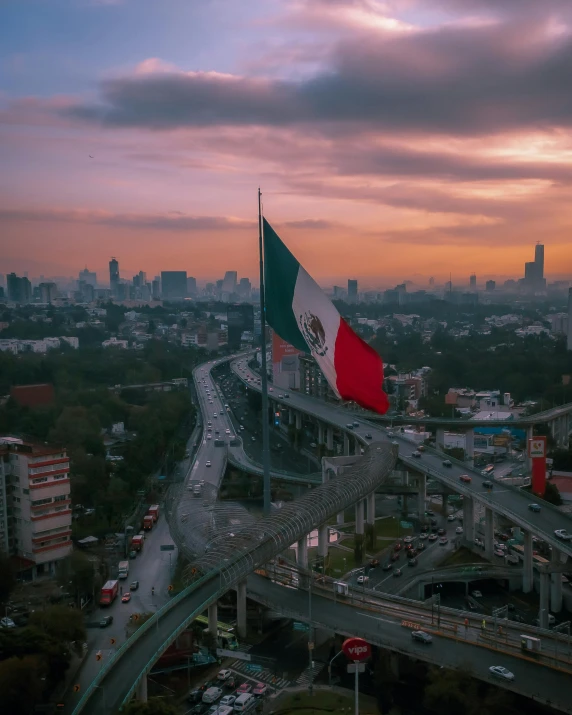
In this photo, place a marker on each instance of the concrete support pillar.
(359, 517)
(527, 572)
(303, 552)
(213, 619)
(440, 437)
(291, 417)
(298, 420)
(330, 438)
(323, 534)
(544, 600)
(421, 591)
(241, 608)
(555, 584)
(320, 433)
(340, 518)
(489, 532)
(421, 496)
(141, 692)
(394, 663)
(470, 445)
(370, 508)
(469, 519)
(346, 445)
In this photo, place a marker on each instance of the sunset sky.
(391, 139)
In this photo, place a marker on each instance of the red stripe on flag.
(359, 371)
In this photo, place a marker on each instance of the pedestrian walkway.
(310, 674)
(240, 667)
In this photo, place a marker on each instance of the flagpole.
(264, 382)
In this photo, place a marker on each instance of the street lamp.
(330, 668)
(100, 687)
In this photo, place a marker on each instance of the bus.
(489, 469)
(225, 633)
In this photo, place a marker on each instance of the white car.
(227, 431)
(408, 540)
(362, 579)
(563, 534)
(451, 517)
(500, 672)
(223, 675)
(7, 623)
(208, 463)
(214, 414)
(228, 700)
(459, 530)
(476, 594)
(209, 436)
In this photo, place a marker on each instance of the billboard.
(537, 454)
(284, 355)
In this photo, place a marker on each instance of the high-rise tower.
(569, 340)
(114, 276)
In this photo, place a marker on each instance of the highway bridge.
(230, 557)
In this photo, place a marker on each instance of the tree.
(449, 691)
(7, 580)
(552, 495)
(153, 706)
(62, 623)
(20, 684)
(78, 573)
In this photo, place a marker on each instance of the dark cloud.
(461, 80)
(167, 222)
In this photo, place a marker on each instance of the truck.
(108, 593)
(123, 569)
(154, 511)
(148, 522)
(137, 542)
(531, 644)
(341, 588)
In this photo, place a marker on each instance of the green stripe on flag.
(280, 275)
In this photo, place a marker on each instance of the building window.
(62, 497)
(25, 491)
(40, 480)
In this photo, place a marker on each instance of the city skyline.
(153, 145)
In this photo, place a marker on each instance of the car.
(7, 623)
(132, 554)
(416, 454)
(429, 512)
(214, 414)
(230, 684)
(441, 531)
(451, 517)
(412, 562)
(499, 672)
(211, 695)
(362, 579)
(280, 396)
(253, 439)
(432, 537)
(534, 507)
(367, 435)
(224, 674)
(422, 637)
(443, 540)
(397, 573)
(487, 484)
(195, 696)
(398, 546)
(244, 688)
(562, 534)
(208, 463)
(374, 563)
(260, 689)
(465, 478)
(388, 566)
(228, 700)
(459, 530)
(476, 594)
(411, 553)
(408, 540)
(227, 431)
(126, 597)
(106, 621)
(447, 463)
(498, 552)
(420, 546)
(423, 535)
(551, 620)
(209, 436)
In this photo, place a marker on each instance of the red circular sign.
(356, 649)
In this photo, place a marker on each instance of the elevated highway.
(506, 500)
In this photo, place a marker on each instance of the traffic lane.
(387, 632)
(544, 521)
(386, 581)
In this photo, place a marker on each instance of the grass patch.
(462, 556)
(340, 561)
(322, 701)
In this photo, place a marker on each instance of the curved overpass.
(504, 499)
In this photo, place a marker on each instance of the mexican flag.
(298, 310)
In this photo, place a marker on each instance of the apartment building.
(35, 521)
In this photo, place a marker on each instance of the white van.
(220, 710)
(244, 703)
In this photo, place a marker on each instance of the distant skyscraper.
(569, 341)
(431, 281)
(114, 276)
(534, 270)
(473, 282)
(19, 289)
(239, 318)
(88, 277)
(539, 260)
(490, 285)
(244, 288)
(156, 288)
(352, 290)
(229, 285)
(173, 285)
(191, 285)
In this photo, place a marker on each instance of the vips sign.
(537, 454)
(356, 649)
